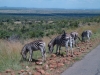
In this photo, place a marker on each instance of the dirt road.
(89, 65)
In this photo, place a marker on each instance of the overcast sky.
(67, 4)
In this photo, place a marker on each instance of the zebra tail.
(79, 39)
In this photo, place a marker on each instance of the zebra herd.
(65, 39)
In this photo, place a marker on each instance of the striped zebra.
(75, 36)
(86, 34)
(34, 46)
(61, 40)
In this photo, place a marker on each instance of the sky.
(66, 4)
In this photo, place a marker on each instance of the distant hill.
(46, 10)
(11, 8)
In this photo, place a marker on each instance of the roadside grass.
(9, 55)
(10, 51)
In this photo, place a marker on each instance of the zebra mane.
(35, 41)
(38, 40)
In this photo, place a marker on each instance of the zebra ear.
(63, 31)
(64, 34)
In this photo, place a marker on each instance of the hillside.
(45, 10)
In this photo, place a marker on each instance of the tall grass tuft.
(10, 55)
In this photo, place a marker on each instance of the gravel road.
(89, 65)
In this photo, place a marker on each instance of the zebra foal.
(34, 46)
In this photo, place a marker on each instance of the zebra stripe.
(34, 46)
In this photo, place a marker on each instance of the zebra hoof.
(72, 55)
(44, 61)
(30, 60)
(67, 55)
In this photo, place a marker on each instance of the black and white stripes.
(34, 46)
(63, 40)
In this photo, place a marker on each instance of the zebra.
(86, 34)
(34, 46)
(61, 40)
(75, 36)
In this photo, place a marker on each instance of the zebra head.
(24, 52)
(51, 45)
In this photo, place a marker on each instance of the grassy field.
(10, 51)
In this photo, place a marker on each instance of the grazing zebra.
(34, 46)
(61, 40)
(86, 34)
(75, 36)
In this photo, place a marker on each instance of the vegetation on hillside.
(23, 26)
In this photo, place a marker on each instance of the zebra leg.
(57, 49)
(43, 54)
(67, 49)
(31, 52)
(82, 39)
(88, 38)
(71, 49)
(75, 43)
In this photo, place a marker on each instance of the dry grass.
(10, 54)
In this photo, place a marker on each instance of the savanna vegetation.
(26, 28)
